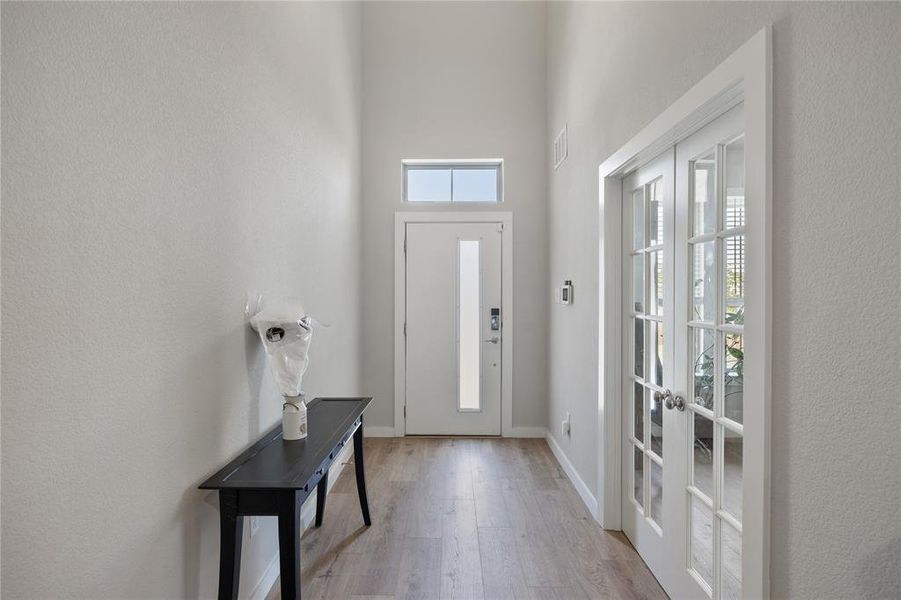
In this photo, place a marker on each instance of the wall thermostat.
(566, 292)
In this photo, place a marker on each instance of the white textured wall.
(612, 68)
(456, 80)
(158, 160)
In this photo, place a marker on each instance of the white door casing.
(744, 78)
(453, 354)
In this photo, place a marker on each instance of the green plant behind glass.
(704, 365)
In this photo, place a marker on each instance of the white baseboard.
(517, 432)
(583, 490)
(378, 431)
(307, 516)
(526, 432)
(266, 581)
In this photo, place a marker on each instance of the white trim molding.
(270, 575)
(581, 487)
(377, 431)
(745, 76)
(400, 299)
(520, 431)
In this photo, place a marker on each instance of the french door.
(683, 353)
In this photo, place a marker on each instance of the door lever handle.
(493, 340)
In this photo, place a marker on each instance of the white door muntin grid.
(710, 255)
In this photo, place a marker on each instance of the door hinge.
(405, 329)
(405, 411)
(405, 245)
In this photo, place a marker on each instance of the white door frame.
(400, 306)
(745, 76)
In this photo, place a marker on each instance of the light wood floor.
(466, 518)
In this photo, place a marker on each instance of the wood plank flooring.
(461, 518)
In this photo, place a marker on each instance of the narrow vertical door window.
(468, 324)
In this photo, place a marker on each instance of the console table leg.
(231, 530)
(289, 532)
(321, 491)
(361, 475)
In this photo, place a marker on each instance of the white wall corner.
(584, 491)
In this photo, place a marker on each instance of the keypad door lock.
(495, 319)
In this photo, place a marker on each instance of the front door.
(684, 307)
(454, 330)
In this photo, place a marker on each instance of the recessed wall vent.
(560, 148)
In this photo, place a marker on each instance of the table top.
(274, 463)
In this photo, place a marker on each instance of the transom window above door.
(479, 180)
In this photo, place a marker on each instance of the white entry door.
(684, 305)
(454, 330)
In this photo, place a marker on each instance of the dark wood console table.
(274, 477)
